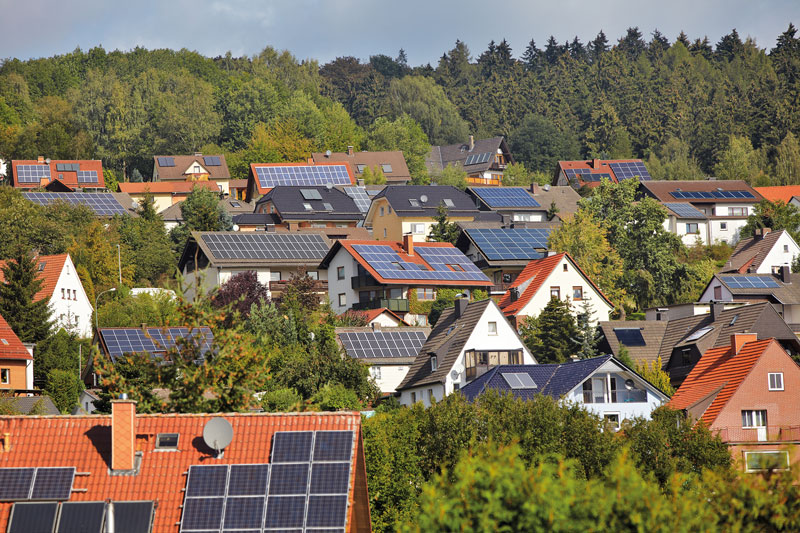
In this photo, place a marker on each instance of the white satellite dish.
(327, 153)
(218, 434)
(629, 384)
(423, 198)
(236, 227)
(329, 186)
(47, 160)
(454, 375)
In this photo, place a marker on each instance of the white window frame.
(752, 419)
(375, 371)
(418, 228)
(274, 275)
(785, 453)
(492, 328)
(313, 274)
(5, 376)
(434, 363)
(723, 226)
(778, 386)
(381, 210)
(608, 414)
(696, 226)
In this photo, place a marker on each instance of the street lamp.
(96, 326)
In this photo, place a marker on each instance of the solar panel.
(68, 167)
(709, 195)
(505, 197)
(15, 483)
(32, 173)
(202, 514)
(32, 517)
(53, 483)
(330, 478)
(166, 161)
(133, 517)
(212, 161)
(87, 176)
(685, 210)
(207, 480)
(273, 176)
(359, 196)
(697, 334)
(326, 511)
(262, 245)
(121, 341)
(382, 344)
(629, 170)
(285, 511)
(750, 282)
(291, 447)
(333, 446)
(248, 480)
(477, 159)
(244, 513)
(391, 266)
(311, 194)
(519, 380)
(288, 478)
(510, 244)
(103, 204)
(630, 336)
(81, 517)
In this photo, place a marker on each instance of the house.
(16, 360)
(763, 253)
(173, 216)
(725, 204)
(372, 274)
(502, 253)
(388, 352)
(65, 472)
(391, 163)
(788, 194)
(381, 317)
(297, 207)
(103, 204)
(468, 340)
(165, 193)
(70, 174)
(196, 167)
(265, 176)
(400, 210)
(555, 276)
(590, 172)
(671, 312)
(518, 205)
(61, 285)
(602, 385)
(483, 160)
(212, 257)
(746, 393)
(115, 343)
(86, 401)
(680, 342)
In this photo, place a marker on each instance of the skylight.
(698, 334)
(519, 380)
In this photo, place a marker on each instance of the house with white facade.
(468, 340)
(603, 385)
(555, 276)
(484, 160)
(763, 253)
(61, 285)
(725, 204)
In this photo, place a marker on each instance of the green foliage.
(423, 100)
(775, 216)
(540, 145)
(148, 242)
(375, 177)
(451, 175)
(63, 387)
(404, 134)
(588, 333)
(29, 319)
(553, 336)
(739, 161)
(652, 372)
(281, 401)
(201, 211)
(673, 161)
(444, 231)
(336, 397)
(444, 298)
(516, 175)
(60, 351)
(122, 309)
(787, 160)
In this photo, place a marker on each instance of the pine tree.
(444, 231)
(551, 336)
(588, 335)
(598, 47)
(28, 318)
(532, 56)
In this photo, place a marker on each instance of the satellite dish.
(629, 384)
(47, 160)
(218, 434)
(454, 374)
(423, 198)
(327, 153)
(236, 227)
(329, 186)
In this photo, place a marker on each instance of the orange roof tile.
(69, 178)
(50, 268)
(85, 443)
(166, 187)
(10, 345)
(372, 314)
(718, 368)
(785, 193)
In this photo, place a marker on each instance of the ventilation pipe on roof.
(471, 143)
(110, 519)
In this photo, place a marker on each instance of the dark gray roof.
(25, 405)
(457, 154)
(400, 198)
(750, 253)
(233, 206)
(332, 204)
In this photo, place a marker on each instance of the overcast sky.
(326, 29)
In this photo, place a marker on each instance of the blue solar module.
(505, 196)
(68, 167)
(685, 210)
(87, 176)
(133, 516)
(202, 514)
(244, 513)
(273, 176)
(333, 446)
(750, 282)
(585, 174)
(103, 204)
(120, 341)
(477, 159)
(710, 195)
(32, 173)
(212, 161)
(359, 196)
(288, 478)
(209, 480)
(285, 512)
(385, 344)
(630, 169)
(81, 517)
(391, 266)
(15, 483)
(292, 447)
(248, 480)
(510, 244)
(52, 483)
(166, 161)
(29, 517)
(629, 336)
(262, 245)
(330, 478)
(327, 511)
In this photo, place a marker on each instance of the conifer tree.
(29, 319)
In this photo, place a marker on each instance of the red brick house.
(749, 394)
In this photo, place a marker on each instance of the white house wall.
(776, 257)
(708, 294)
(73, 315)
(732, 232)
(338, 286)
(390, 376)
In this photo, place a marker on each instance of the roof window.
(311, 194)
(414, 202)
(167, 441)
(386, 167)
(307, 206)
(448, 202)
(4, 341)
(327, 206)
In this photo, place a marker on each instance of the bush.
(63, 387)
(281, 401)
(336, 397)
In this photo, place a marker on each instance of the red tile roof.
(51, 267)
(784, 193)
(10, 345)
(69, 178)
(85, 443)
(718, 368)
(372, 314)
(166, 187)
(595, 166)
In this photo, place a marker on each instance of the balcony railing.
(278, 287)
(621, 396)
(734, 434)
(398, 305)
(500, 288)
(363, 280)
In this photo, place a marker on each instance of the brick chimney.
(40, 159)
(740, 339)
(408, 244)
(123, 434)
(350, 150)
(716, 308)
(595, 163)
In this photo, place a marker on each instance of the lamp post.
(96, 326)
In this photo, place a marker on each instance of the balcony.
(276, 288)
(500, 288)
(398, 305)
(734, 434)
(364, 280)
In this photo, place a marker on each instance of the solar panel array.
(477, 159)
(630, 169)
(32, 173)
(80, 517)
(711, 195)
(121, 341)
(390, 265)
(630, 336)
(498, 244)
(586, 174)
(750, 282)
(36, 483)
(212, 161)
(382, 344)
(685, 210)
(359, 196)
(273, 176)
(87, 176)
(102, 203)
(505, 196)
(519, 380)
(68, 167)
(304, 488)
(261, 245)
(166, 161)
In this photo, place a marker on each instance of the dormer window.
(167, 441)
(434, 363)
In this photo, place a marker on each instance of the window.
(686, 357)
(565, 267)
(754, 419)
(342, 299)
(341, 224)
(430, 395)
(785, 248)
(398, 265)
(456, 268)
(448, 202)
(414, 202)
(386, 167)
(318, 225)
(395, 293)
(375, 371)
(692, 228)
(775, 380)
(313, 274)
(577, 293)
(422, 320)
(274, 276)
(381, 211)
(167, 441)
(5, 375)
(384, 233)
(62, 294)
(413, 397)
(613, 391)
(492, 328)
(723, 226)
(434, 363)
(74, 294)
(773, 460)
(426, 293)
(737, 211)
(718, 292)
(612, 419)
(360, 168)
(555, 292)
(587, 391)
(340, 272)
(475, 359)
(307, 206)
(418, 229)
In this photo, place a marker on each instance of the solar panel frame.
(32, 517)
(212, 161)
(310, 194)
(390, 265)
(103, 204)
(630, 336)
(750, 282)
(285, 512)
(166, 161)
(52, 483)
(88, 176)
(81, 517)
(330, 478)
(244, 513)
(121, 341)
(497, 197)
(248, 479)
(287, 479)
(273, 176)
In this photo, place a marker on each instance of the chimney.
(716, 308)
(574, 358)
(408, 244)
(740, 339)
(785, 274)
(350, 150)
(41, 159)
(198, 154)
(376, 326)
(471, 143)
(595, 164)
(460, 306)
(514, 293)
(123, 433)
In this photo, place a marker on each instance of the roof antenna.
(218, 434)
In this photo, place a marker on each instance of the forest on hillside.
(689, 107)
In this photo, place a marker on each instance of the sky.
(326, 29)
